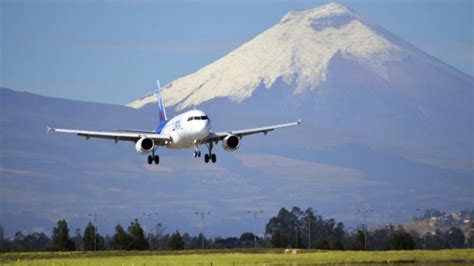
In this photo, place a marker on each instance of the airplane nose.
(207, 125)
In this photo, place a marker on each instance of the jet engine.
(231, 143)
(144, 145)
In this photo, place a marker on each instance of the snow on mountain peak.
(297, 50)
(329, 10)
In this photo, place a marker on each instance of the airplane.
(187, 130)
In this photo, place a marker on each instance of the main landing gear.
(153, 158)
(210, 156)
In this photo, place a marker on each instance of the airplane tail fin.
(161, 109)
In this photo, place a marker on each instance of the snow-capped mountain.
(298, 50)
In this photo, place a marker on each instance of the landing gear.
(153, 158)
(197, 152)
(210, 156)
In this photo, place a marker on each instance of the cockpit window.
(198, 118)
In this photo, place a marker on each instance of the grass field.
(263, 257)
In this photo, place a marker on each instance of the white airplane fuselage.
(186, 129)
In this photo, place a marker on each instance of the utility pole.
(365, 213)
(202, 214)
(254, 226)
(159, 230)
(95, 215)
(149, 215)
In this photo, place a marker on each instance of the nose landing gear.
(197, 152)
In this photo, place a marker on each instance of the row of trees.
(293, 228)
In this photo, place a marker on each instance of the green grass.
(231, 257)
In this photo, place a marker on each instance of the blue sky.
(113, 51)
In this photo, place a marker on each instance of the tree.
(278, 240)
(359, 243)
(176, 242)
(470, 240)
(380, 238)
(401, 240)
(298, 240)
(121, 239)
(227, 243)
(61, 240)
(288, 224)
(2, 245)
(454, 238)
(337, 244)
(281, 224)
(138, 236)
(246, 240)
(36, 241)
(300, 227)
(78, 240)
(321, 243)
(92, 240)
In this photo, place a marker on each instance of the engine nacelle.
(231, 143)
(144, 145)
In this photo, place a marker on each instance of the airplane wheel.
(157, 159)
(213, 158)
(150, 159)
(195, 154)
(199, 153)
(206, 158)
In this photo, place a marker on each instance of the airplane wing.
(240, 133)
(116, 136)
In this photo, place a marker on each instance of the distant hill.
(463, 220)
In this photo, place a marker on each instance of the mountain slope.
(298, 50)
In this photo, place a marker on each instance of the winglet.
(49, 129)
(299, 121)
